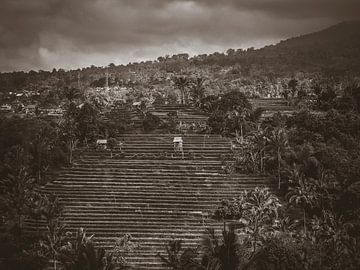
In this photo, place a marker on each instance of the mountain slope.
(336, 48)
(334, 52)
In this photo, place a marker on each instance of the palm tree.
(82, 254)
(277, 141)
(221, 255)
(71, 93)
(304, 156)
(302, 194)
(182, 83)
(197, 89)
(243, 120)
(69, 134)
(40, 149)
(55, 240)
(16, 191)
(177, 260)
(257, 213)
(260, 211)
(259, 140)
(237, 120)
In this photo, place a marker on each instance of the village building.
(30, 109)
(6, 108)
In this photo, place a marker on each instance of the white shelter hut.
(101, 144)
(178, 144)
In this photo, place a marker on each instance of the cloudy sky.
(43, 34)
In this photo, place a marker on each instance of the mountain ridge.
(331, 52)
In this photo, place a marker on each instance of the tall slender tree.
(197, 89)
(303, 195)
(182, 83)
(278, 143)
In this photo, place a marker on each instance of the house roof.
(177, 139)
(101, 141)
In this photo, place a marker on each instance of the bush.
(150, 122)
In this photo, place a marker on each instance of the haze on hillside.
(46, 34)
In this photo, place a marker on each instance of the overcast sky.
(43, 34)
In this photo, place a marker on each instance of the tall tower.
(107, 79)
(79, 82)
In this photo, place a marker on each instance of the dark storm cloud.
(336, 9)
(41, 34)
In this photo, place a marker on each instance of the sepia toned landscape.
(180, 135)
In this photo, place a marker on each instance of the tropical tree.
(112, 143)
(55, 237)
(17, 190)
(197, 89)
(292, 85)
(258, 139)
(237, 121)
(68, 129)
(234, 100)
(277, 253)
(41, 149)
(304, 156)
(336, 241)
(302, 194)
(150, 121)
(69, 135)
(277, 142)
(122, 248)
(233, 113)
(182, 84)
(209, 104)
(71, 94)
(82, 254)
(87, 121)
(257, 214)
(177, 259)
(221, 254)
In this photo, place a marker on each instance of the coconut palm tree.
(302, 194)
(277, 141)
(182, 83)
(197, 89)
(237, 121)
(258, 139)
